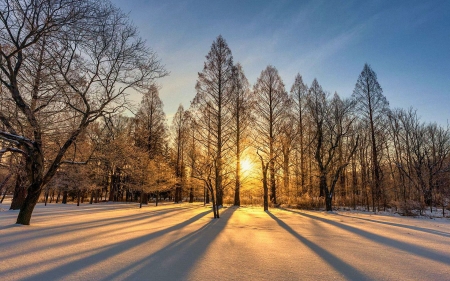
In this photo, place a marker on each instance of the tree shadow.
(81, 235)
(176, 260)
(115, 249)
(400, 245)
(416, 228)
(39, 232)
(339, 265)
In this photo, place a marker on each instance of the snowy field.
(182, 242)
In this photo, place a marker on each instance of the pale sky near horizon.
(407, 43)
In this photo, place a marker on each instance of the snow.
(119, 241)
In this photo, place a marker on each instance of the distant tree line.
(64, 133)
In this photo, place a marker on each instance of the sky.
(407, 43)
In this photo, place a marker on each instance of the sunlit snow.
(119, 241)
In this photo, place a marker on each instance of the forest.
(69, 130)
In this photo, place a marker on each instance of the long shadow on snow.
(63, 228)
(176, 260)
(82, 236)
(109, 251)
(416, 228)
(339, 265)
(403, 246)
(145, 213)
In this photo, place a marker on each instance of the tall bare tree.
(299, 91)
(332, 123)
(151, 130)
(242, 118)
(96, 56)
(180, 139)
(271, 100)
(373, 106)
(214, 93)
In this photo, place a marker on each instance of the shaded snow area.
(183, 242)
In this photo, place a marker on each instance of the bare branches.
(13, 150)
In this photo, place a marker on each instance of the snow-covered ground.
(119, 241)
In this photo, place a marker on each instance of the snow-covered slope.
(182, 242)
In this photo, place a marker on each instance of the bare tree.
(96, 56)
(332, 124)
(214, 86)
(299, 91)
(271, 100)
(180, 138)
(151, 130)
(242, 120)
(373, 106)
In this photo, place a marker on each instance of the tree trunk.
(46, 197)
(20, 194)
(78, 197)
(273, 191)
(237, 196)
(328, 201)
(191, 195)
(57, 197)
(64, 199)
(3, 196)
(27, 208)
(4, 182)
(219, 197)
(214, 205)
(52, 196)
(207, 196)
(266, 192)
(144, 198)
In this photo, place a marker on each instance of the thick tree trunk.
(34, 191)
(20, 194)
(219, 197)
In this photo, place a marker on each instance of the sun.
(246, 166)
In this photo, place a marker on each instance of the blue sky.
(407, 43)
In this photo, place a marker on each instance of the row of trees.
(65, 82)
(309, 144)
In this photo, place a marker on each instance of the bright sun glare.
(246, 165)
